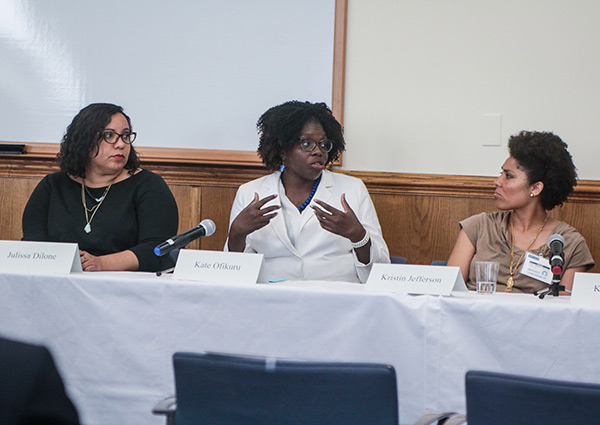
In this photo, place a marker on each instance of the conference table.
(113, 334)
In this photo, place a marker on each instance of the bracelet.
(365, 240)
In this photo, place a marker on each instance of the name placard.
(586, 289)
(217, 266)
(415, 279)
(39, 257)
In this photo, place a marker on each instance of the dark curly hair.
(82, 139)
(280, 126)
(544, 158)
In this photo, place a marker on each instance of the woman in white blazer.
(310, 223)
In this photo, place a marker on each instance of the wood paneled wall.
(419, 213)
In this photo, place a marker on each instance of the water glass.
(486, 276)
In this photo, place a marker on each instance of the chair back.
(496, 398)
(226, 390)
(398, 260)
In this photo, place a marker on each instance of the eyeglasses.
(112, 137)
(308, 145)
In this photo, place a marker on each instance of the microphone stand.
(553, 289)
(174, 254)
(169, 270)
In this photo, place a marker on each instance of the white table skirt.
(113, 335)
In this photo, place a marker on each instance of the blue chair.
(439, 263)
(398, 260)
(497, 398)
(218, 389)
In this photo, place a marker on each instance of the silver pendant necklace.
(98, 200)
(88, 226)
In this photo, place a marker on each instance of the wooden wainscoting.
(419, 213)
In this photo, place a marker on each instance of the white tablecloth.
(113, 335)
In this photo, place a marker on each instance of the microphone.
(205, 228)
(556, 243)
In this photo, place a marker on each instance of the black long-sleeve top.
(137, 214)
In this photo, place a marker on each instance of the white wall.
(189, 73)
(420, 74)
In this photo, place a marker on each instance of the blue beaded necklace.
(312, 193)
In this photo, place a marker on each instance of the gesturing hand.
(250, 219)
(343, 223)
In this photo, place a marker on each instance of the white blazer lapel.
(323, 193)
(278, 222)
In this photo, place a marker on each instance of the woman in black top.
(101, 198)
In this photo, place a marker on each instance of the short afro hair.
(83, 137)
(280, 126)
(544, 158)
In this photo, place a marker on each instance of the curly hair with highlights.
(544, 158)
(280, 127)
(82, 139)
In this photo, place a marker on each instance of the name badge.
(586, 289)
(537, 267)
(217, 266)
(415, 279)
(39, 257)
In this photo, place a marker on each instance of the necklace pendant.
(87, 228)
(509, 284)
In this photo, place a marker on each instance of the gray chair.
(398, 260)
(456, 420)
(498, 398)
(504, 399)
(226, 390)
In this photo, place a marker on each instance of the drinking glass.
(486, 276)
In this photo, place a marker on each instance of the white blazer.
(317, 254)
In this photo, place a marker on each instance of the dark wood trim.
(158, 155)
(418, 212)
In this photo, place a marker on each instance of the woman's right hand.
(250, 219)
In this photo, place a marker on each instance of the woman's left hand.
(343, 223)
(119, 261)
(89, 262)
